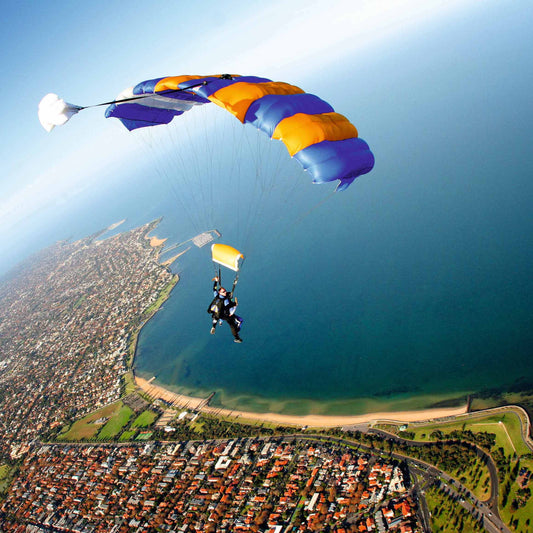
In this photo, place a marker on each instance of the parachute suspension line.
(209, 145)
(254, 148)
(186, 172)
(191, 162)
(251, 208)
(198, 167)
(239, 181)
(235, 181)
(186, 159)
(218, 274)
(146, 140)
(288, 226)
(270, 169)
(260, 193)
(302, 217)
(162, 150)
(235, 281)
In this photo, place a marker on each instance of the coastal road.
(492, 501)
(487, 511)
(421, 479)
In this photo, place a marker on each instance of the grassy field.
(145, 419)
(6, 473)
(86, 428)
(477, 478)
(144, 435)
(473, 474)
(115, 423)
(503, 436)
(516, 510)
(505, 425)
(127, 435)
(163, 295)
(522, 516)
(448, 516)
(129, 383)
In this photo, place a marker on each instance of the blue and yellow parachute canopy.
(324, 142)
(227, 256)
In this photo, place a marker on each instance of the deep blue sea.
(413, 286)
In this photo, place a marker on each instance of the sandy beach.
(315, 421)
(154, 241)
(188, 402)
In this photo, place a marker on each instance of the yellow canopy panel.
(226, 256)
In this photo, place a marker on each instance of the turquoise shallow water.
(412, 287)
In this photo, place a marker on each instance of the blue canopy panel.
(135, 116)
(331, 160)
(147, 86)
(266, 112)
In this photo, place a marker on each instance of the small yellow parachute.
(227, 256)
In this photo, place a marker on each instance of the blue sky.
(87, 52)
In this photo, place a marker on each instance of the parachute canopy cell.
(324, 142)
(227, 256)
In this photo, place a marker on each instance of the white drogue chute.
(54, 111)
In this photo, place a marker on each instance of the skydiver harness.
(217, 307)
(220, 306)
(229, 296)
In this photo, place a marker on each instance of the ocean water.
(412, 287)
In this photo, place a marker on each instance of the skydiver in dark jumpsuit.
(223, 308)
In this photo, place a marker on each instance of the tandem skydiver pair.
(223, 306)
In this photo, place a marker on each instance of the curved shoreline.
(134, 340)
(312, 420)
(190, 402)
